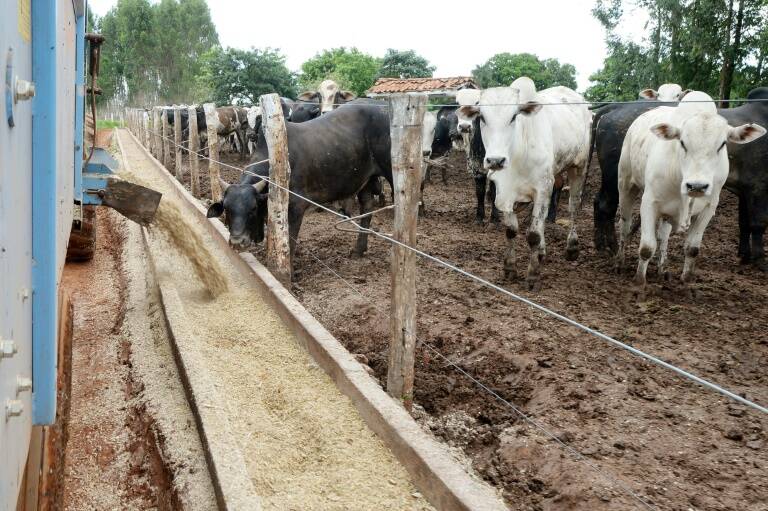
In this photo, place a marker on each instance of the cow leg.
(693, 239)
(627, 200)
(758, 219)
(663, 231)
(295, 218)
(424, 179)
(495, 213)
(647, 241)
(365, 198)
(510, 221)
(536, 235)
(427, 175)
(576, 177)
(444, 174)
(605, 206)
(552, 215)
(745, 254)
(480, 182)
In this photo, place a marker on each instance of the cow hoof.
(761, 264)
(357, 254)
(571, 253)
(666, 276)
(510, 275)
(533, 284)
(479, 220)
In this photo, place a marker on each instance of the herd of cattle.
(672, 149)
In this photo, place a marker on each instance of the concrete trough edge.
(226, 463)
(435, 472)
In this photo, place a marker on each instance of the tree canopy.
(151, 54)
(717, 46)
(241, 76)
(504, 68)
(350, 68)
(404, 64)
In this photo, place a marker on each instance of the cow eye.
(721, 146)
(513, 119)
(683, 146)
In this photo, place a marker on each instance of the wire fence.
(613, 480)
(514, 296)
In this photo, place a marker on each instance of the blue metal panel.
(15, 246)
(79, 105)
(44, 212)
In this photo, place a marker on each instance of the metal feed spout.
(102, 187)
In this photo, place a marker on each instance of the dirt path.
(110, 454)
(305, 445)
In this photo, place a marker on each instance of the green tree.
(504, 68)
(623, 75)
(241, 76)
(350, 68)
(152, 52)
(708, 45)
(404, 64)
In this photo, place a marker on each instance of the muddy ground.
(643, 433)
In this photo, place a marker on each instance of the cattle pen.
(552, 407)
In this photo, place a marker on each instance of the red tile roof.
(394, 85)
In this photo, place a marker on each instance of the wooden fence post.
(194, 147)
(166, 142)
(157, 127)
(177, 139)
(406, 114)
(147, 134)
(211, 122)
(278, 240)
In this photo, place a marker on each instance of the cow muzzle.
(494, 163)
(242, 242)
(464, 128)
(696, 188)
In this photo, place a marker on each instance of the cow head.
(448, 122)
(466, 97)
(245, 206)
(305, 110)
(329, 96)
(700, 136)
(669, 92)
(428, 133)
(501, 111)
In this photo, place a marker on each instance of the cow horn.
(259, 187)
(224, 185)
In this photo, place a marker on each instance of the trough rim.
(433, 469)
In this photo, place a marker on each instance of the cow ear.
(260, 186)
(315, 110)
(215, 210)
(308, 96)
(682, 94)
(347, 95)
(648, 94)
(530, 108)
(745, 133)
(666, 131)
(469, 112)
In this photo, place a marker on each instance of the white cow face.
(253, 113)
(466, 97)
(669, 92)
(428, 133)
(500, 111)
(701, 140)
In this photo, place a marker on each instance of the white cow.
(678, 159)
(668, 92)
(528, 142)
(329, 95)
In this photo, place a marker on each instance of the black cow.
(303, 111)
(748, 178)
(609, 127)
(333, 157)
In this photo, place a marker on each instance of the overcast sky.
(454, 36)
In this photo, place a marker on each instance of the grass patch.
(103, 124)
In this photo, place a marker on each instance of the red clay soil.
(637, 427)
(112, 461)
